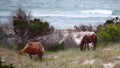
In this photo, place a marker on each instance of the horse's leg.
(40, 56)
(94, 46)
(83, 47)
(30, 56)
(88, 46)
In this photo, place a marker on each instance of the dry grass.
(71, 58)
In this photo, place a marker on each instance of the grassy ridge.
(108, 56)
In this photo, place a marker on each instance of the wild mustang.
(33, 48)
(88, 39)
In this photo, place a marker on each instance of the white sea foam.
(83, 13)
(97, 11)
(76, 14)
(67, 12)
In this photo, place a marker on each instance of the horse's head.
(28, 45)
(21, 52)
(81, 45)
(83, 41)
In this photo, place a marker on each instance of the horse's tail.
(95, 39)
(43, 49)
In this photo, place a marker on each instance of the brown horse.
(33, 48)
(88, 39)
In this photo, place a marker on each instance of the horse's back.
(90, 38)
(94, 37)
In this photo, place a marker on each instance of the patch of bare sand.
(89, 61)
(112, 64)
(112, 48)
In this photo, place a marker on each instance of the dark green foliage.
(56, 47)
(20, 23)
(27, 28)
(20, 27)
(109, 22)
(38, 27)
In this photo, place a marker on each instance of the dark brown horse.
(88, 39)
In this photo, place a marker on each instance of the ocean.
(65, 13)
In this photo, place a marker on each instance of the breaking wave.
(83, 13)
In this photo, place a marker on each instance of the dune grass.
(103, 57)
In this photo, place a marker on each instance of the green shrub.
(109, 33)
(39, 27)
(27, 28)
(109, 22)
(20, 23)
(56, 47)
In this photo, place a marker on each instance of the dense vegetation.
(26, 27)
(110, 31)
(56, 47)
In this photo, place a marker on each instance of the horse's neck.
(82, 42)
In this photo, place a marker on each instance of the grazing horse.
(33, 48)
(88, 39)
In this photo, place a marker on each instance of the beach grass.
(102, 57)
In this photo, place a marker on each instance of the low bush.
(56, 47)
(109, 32)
